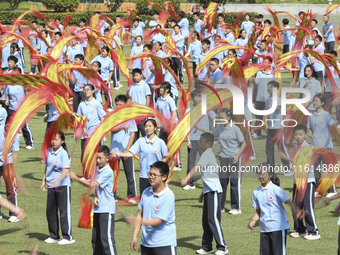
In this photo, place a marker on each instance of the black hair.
(300, 127)
(80, 57)
(153, 121)
(260, 16)
(119, 16)
(196, 14)
(205, 41)
(17, 68)
(176, 26)
(215, 60)
(141, 37)
(136, 70)
(121, 98)
(275, 84)
(220, 15)
(35, 22)
(155, 12)
(227, 111)
(15, 46)
(182, 14)
(82, 20)
(285, 21)
(166, 86)
(174, 21)
(209, 137)
(91, 86)
(62, 137)
(58, 33)
(320, 96)
(42, 24)
(15, 59)
(106, 48)
(159, 43)
(312, 68)
(233, 51)
(258, 22)
(247, 14)
(106, 30)
(319, 37)
(334, 53)
(268, 21)
(104, 149)
(263, 41)
(100, 66)
(45, 31)
(301, 12)
(315, 20)
(148, 46)
(136, 19)
(265, 167)
(241, 31)
(195, 93)
(57, 19)
(162, 167)
(197, 34)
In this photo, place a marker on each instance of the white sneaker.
(120, 85)
(317, 194)
(297, 234)
(312, 237)
(109, 109)
(176, 168)
(223, 211)
(189, 187)
(252, 158)
(132, 201)
(235, 211)
(201, 251)
(29, 147)
(13, 219)
(0, 217)
(31, 73)
(65, 241)
(331, 194)
(222, 252)
(255, 136)
(51, 240)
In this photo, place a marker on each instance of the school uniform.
(20, 63)
(303, 61)
(147, 65)
(53, 115)
(314, 88)
(16, 95)
(318, 65)
(178, 66)
(241, 42)
(106, 68)
(220, 30)
(119, 142)
(149, 152)
(262, 79)
(194, 136)
(330, 39)
(5, 53)
(248, 26)
(184, 25)
(5, 166)
(286, 39)
(78, 92)
(161, 239)
(212, 192)
(202, 76)
(216, 77)
(273, 218)
(158, 38)
(138, 93)
(231, 138)
(58, 197)
(103, 240)
(307, 204)
(199, 26)
(195, 48)
(166, 105)
(153, 23)
(42, 46)
(260, 52)
(136, 63)
(230, 38)
(273, 128)
(136, 31)
(73, 51)
(167, 76)
(81, 33)
(93, 111)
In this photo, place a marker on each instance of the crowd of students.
(156, 214)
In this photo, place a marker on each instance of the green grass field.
(21, 237)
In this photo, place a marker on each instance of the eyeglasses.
(153, 176)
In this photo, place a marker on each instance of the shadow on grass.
(38, 236)
(29, 252)
(9, 231)
(30, 176)
(184, 242)
(32, 159)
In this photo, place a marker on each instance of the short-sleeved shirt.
(136, 31)
(275, 116)
(158, 38)
(42, 46)
(73, 51)
(260, 52)
(195, 48)
(286, 36)
(106, 66)
(220, 30)
(33, 35)
(55, 162)
(179, 44)
(302, 63)
(203, 74)
(166, 106)
(120, 140)
(269, 200)
(16, 94)
(5, 53)
(241, 42)
(209, 171)
(20, 63)
(53, 114)
(203, 123)
(314, 88)
(3, 116)
(147, 65)
(231, 138)
(162, 206)
(262, 80)
(107, 203)
(311, 175)
(184, 24)
(150, 152)
(318, 64)
(136, 63)
(81, 80)
(216, 77)
(139, 91)
(198, 26)
(328, 87)
(82, 34)
(320, 123)
(230, 38)
(93, 111)
(330, 35)
(248, 26)
(169, 78)
(2, 143)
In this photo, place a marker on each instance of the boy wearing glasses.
(212, 194)
(156, 215)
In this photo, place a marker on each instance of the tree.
(61, 5)
(14, 4)
(114, 5)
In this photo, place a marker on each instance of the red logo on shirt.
(321, 122)
(157, 208)
(156, 151)
(140, 91)
(229, 137)
(271, 198)
(92, 111)
(165, 106)
(56, 162)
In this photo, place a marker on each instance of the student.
(150, 148)
(274, 127)
(81, 33)
(220, 29)
(216, 74)
(167, 76)
(137, 49)
(156, 215)
(32, 35)
(248, 25)
(268, 202)
(103, 231)
(13, 95)
(42, 46)
(158, 37)
(212, 193)
(218, 44)
(73, 50)
(229, 36)
(263, 50)
(122, 137)
(153, 23)
(93, 111)
(313, 26)
(96, 65)
(16, 53)
(242, 40)
(139, 93)
(20, 214)
(106, 71)
(178, 39)
(312, 84)
(184, 27)
(158, 50)
(307, 205)
(136, 31)
(328, 89)
(56, 176)
(198, 25)
(286, 36)
(230, 155)
(51, 116)
(195, 48)
(319, 123)
(148, 67)
(77, 80)
(318, 65)
(328, 34)
(202, 126)
(202, 76)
